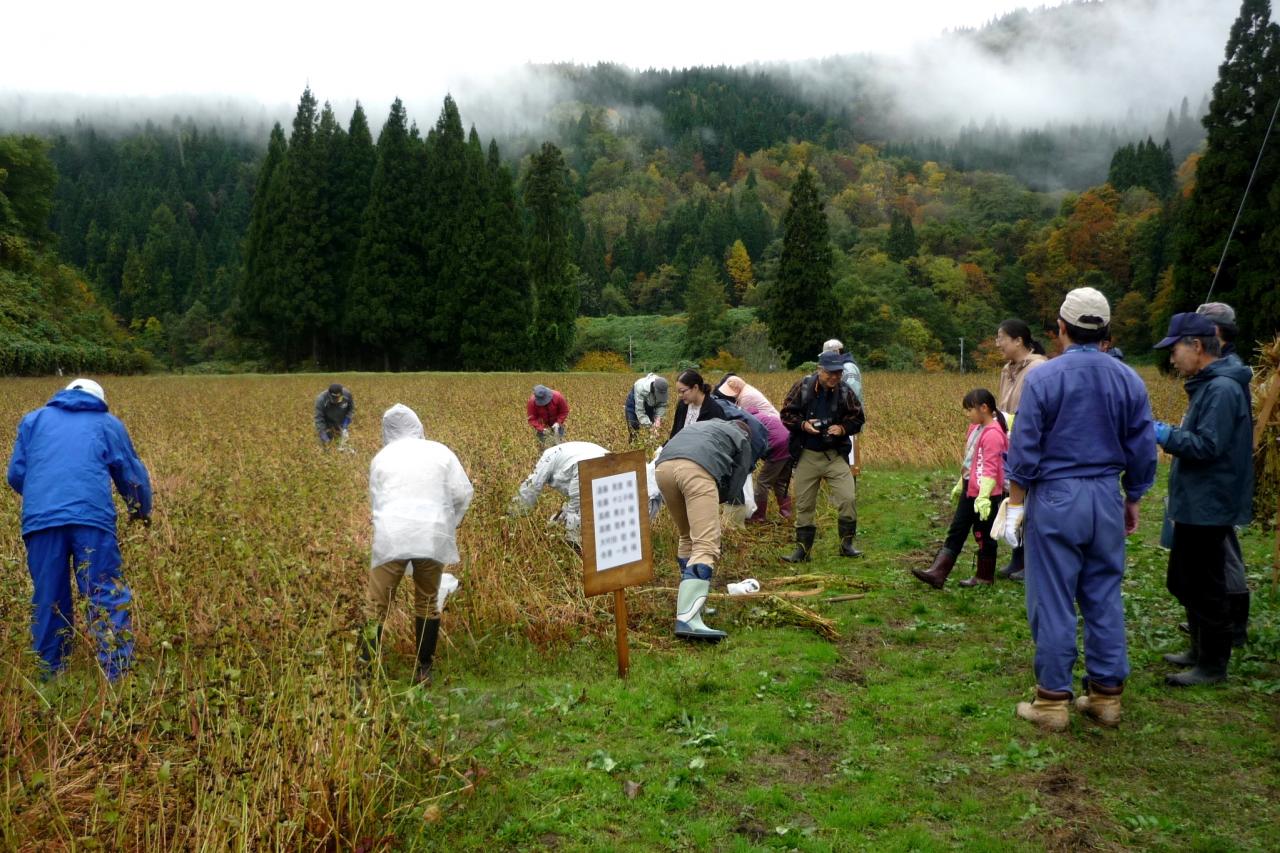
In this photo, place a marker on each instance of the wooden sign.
(616, 548)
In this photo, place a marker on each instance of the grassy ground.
(238, 728)
(900, 736)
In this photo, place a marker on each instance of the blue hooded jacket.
(65, 459)
(1211, 479)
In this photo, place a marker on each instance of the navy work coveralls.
(64, 461)
(1084, 420)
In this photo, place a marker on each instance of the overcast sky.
(268, 49)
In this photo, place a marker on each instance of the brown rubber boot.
(936, 576)
(1048, 710)
(986, 572)
(1101, 704)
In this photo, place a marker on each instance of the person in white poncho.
(557, 469)
(419, 494)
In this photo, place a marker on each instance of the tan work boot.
(1101, 704)
(1048, 710)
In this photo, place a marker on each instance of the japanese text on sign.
(617, 520)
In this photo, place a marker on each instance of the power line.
(1256, 163)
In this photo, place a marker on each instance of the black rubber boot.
(1211, 667)
(804, 545)
(848, 530)
(426, 633)
(368, 647)
(1239, 605)
(1192, 655)
(1014, 566)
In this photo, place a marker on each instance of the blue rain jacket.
(1084, 414)
(65, 459)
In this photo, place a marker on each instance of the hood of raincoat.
(1232, 368)
(399, 422)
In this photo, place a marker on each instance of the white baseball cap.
(833, 345)
(89, 387)
(1086, 308)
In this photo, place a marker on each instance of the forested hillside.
(364, 243)
(50, 320)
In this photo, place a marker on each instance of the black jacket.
(710, 411)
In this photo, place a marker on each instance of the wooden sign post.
(616, 548)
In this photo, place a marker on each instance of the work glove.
(982, 504)
(559, 428)
(1008, 420)
(1162, 432)
(956, 490)
(346, 423)
(1013, 524)
(345, 435)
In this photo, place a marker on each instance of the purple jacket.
(779, 436)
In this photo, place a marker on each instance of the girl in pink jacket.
(977, 494)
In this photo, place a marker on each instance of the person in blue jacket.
(1210, 491)
(1084, 433)
(66, 456)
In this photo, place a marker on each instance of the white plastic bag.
(448, 586)
(749, 496)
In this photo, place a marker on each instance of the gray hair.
(1211, 345)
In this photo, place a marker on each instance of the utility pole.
(962, 356)
(629, 351)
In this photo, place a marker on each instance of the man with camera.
(823, 414)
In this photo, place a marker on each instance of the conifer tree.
(1244, 101)
(303, 309)
(449, 217)
(902, 243)
(498, 312)
(388, 270)
(707, 329)
(801, 309)
(262, 262)
(550, 203)
(351, 163)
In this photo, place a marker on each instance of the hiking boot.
(1101, 704)
(426, 633)
(804, 545)
(936, 575)
(1048, 710)
(986, 573)
(848, 530)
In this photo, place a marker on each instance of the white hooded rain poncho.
(419, 493)
(557, 469)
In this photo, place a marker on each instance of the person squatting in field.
(547, 412)
(1083, 432)
(334, 410)
(419, 494)
(703, 466)
(557, 469)
(977, 494)
(65, 459)
(1210, 491)
(646, 405)
(822, 413)
(1022, 354)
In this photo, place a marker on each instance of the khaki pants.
(815, 466)
(384, 579)
(694, 503)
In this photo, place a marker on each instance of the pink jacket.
(988, 457)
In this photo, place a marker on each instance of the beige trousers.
(815, 466)
(384, 579)
(694, 503)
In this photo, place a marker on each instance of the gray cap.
(541, 395)
(1220, 313)
(659, 388)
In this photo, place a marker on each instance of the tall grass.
(240, 727)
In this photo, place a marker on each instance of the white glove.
(1013, 524)
(345, 435)
(745, 587)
